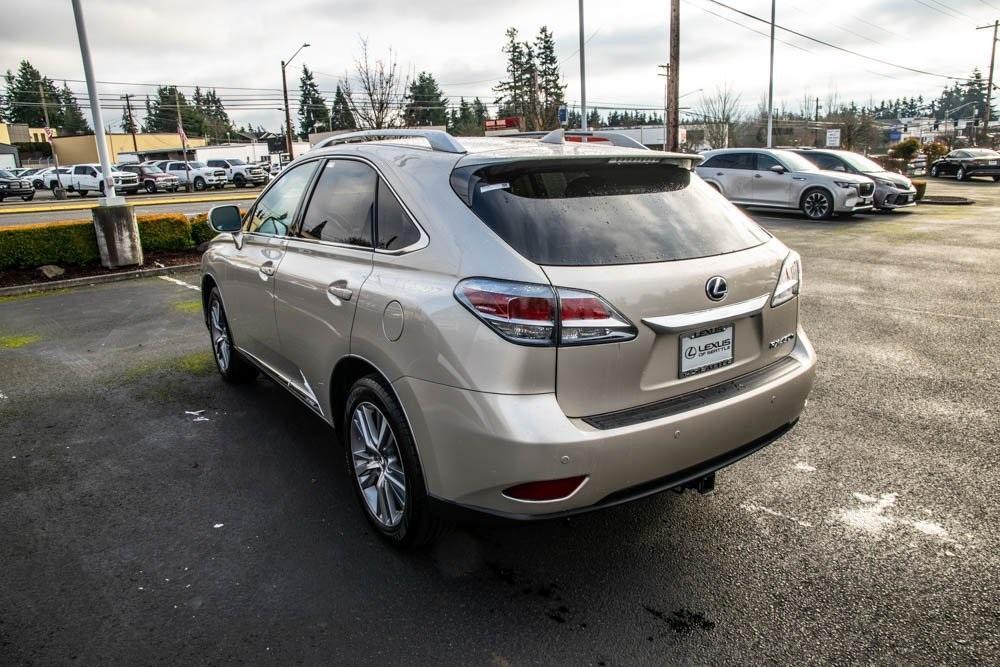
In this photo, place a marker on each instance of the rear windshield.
(603, 212)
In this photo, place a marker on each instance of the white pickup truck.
(84, 178)
(239, 173)
(193, 173)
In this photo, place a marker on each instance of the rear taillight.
(789, 279)
(549, 489)
(532, 314)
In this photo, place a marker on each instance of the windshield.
(982, 152)
(6, 174)
(794, 161)
(236, 163)
(596, 213)
(153, 169)
(197, 165)
(30, 172)
(861, 163)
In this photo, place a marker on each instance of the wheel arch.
(817, 186)
(208, 282)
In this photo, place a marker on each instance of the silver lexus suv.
(776, 178)
(520, 328)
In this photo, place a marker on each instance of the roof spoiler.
(439, 140)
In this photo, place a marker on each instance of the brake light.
(550, 489)
(532, 314)
(789, 279)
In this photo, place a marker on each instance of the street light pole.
(989, 86)
(770, 85)
(95, 104)
(583, 76)
(288, 115)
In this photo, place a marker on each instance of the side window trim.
(423, 239)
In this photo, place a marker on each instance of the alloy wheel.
(816, 205)
(220, 336)
(377, 465)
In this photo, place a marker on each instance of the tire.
(935, 172)
(82, 193)
(150, 187)
(1, 198)
(996, 179)
(199, 184)
(233, 367)
(960, 175)
(817, 204)
(240, 181)
(100, 188)
(386, 471)
(39, 185)
(219, 187)
(26, 197)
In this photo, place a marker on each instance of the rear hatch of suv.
(644, 241)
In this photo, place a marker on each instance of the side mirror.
(778, 169)
(225, 218)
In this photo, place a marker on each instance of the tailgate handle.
(700, 318)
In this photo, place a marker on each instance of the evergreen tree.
(216, 123)
(6, 101)
(341, 117)
(593, 119)
(161, 113)
(24, 103)
(314, 115)
(73, 120)
(517, 95)
(425, 103)
(551, 91)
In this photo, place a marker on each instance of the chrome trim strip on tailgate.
(700, 318)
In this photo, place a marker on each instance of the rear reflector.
(550, 489)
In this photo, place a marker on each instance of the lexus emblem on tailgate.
(716, 288)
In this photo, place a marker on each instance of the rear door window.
(731, 161)
(585, 212)
(342, 205)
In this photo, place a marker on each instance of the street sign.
(563, 115)
(833, 138)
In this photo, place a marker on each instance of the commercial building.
(82, 149)
(21, 133)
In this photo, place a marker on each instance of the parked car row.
(819, 182)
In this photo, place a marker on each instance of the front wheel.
(199, 184)
(26, 197)
(231, 364)
(382, 460)
(817, 204)
(961, 175)
(240, 181)
(996, 179)
(935, 171)
(150, 187)
(82, 193)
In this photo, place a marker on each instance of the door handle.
(266, 269)
(340, 290)
(719, 174)
(757, 176)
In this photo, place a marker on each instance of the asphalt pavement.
(151, 513)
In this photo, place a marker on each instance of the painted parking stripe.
(180, 282)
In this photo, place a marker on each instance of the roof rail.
(438, 139)
(559, 136)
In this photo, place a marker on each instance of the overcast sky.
(229, 45)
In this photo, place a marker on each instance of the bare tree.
(377, 104)
(720, 110)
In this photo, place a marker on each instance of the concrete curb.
(16, 290)
(86, 206)
(947, 201)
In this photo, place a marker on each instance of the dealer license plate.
(705, 350)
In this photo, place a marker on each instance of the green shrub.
(74, 242)
(201, 231)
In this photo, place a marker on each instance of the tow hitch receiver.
(703, 485)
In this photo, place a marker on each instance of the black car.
(965, 163)
(12, 186)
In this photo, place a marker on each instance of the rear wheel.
(817, 204)
(996, 179)
(82, 193)
(382, 460)
(240, 181)
(231, 364)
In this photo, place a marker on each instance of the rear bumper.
(474, 445)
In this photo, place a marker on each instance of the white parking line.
(180, 282)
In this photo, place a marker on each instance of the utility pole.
(59, 193)
(183, 135)
(666, 101)
(95, 103)
(989, 86)
(583, 76)
(816, 120)
(770, 85)
(131, 122)
(674, 77)
(288, 114)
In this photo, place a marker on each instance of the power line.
(836, 47)
(745, 27)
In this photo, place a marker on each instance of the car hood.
(843, 177)
(897, 180)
